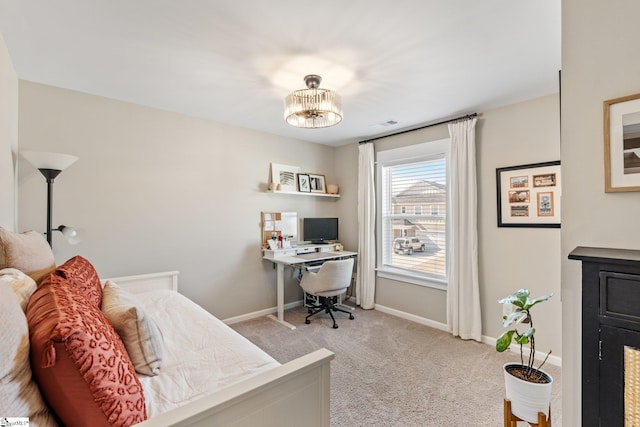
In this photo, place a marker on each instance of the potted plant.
(528, 388)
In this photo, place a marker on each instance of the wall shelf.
(299, 193)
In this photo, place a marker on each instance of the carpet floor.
(393, 372)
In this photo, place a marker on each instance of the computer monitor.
(320, 230)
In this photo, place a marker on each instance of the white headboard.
(147, 282)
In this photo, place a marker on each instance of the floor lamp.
(50, 165)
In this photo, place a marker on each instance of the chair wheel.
(307, 321)
(335, 326)
(351, 317)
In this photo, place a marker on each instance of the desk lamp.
(50, 165)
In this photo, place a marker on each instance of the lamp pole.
(49, 175)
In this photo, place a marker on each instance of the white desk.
(295, 259)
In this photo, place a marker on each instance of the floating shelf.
(300, 193)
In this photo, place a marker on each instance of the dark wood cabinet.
(610, 323)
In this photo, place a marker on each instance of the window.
(412, 246)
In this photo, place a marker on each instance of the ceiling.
(409, 61)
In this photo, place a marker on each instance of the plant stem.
(532, 351)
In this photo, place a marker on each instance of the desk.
(296, 259)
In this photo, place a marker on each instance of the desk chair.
(333, 279)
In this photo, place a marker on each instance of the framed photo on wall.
(622, 144)
(529, 195)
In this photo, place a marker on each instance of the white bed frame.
(295, 394)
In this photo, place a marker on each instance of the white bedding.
(201, 353)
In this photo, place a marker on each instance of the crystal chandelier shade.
(313, 107)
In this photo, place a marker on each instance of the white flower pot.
(527, 398)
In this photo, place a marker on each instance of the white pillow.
(28, 252)
(138, 331)
(19, 393)
(21, 284)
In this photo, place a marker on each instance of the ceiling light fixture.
(313, 107)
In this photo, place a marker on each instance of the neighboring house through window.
(411, 181)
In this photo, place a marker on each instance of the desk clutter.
(278, 229)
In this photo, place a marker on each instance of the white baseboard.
(553, 360)
(412, 317)
(260, 313)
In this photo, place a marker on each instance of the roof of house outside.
(422, 192)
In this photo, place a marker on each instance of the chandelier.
(313, 107)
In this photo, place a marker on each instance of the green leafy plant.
(521, 315)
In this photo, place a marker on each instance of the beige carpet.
(393, 372)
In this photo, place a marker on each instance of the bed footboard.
(295, 394)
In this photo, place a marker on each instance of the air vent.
(385, 124)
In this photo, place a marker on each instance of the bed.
(210, 375)
(292, 394)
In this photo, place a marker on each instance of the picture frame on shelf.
(283, 177)
(529, 195)
(317, 183)
(303, 183)
(622, 144)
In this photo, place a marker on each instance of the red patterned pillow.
(79, 361)
(81, 273)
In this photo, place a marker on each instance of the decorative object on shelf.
(529, 195)
(316, 183)
(332, 188)
(622, 144)
(303, 183)
(50, 165)
(283, 177)
(313, 107)
(528, 388)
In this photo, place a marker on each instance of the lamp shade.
(69, 233)
(45, 160)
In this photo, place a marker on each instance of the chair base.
(328, 305)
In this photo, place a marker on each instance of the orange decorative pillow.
(28, 252)
(81, 273)
(78, 359)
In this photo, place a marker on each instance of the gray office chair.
(333, 279)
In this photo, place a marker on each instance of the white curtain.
(365, 277)
(463, 293)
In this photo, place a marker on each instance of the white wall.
(599, 62)
(509, 258)
(8, 137)
(155, 191)
(515, 258)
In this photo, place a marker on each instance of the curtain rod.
(465, 117)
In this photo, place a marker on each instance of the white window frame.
(398, 156)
